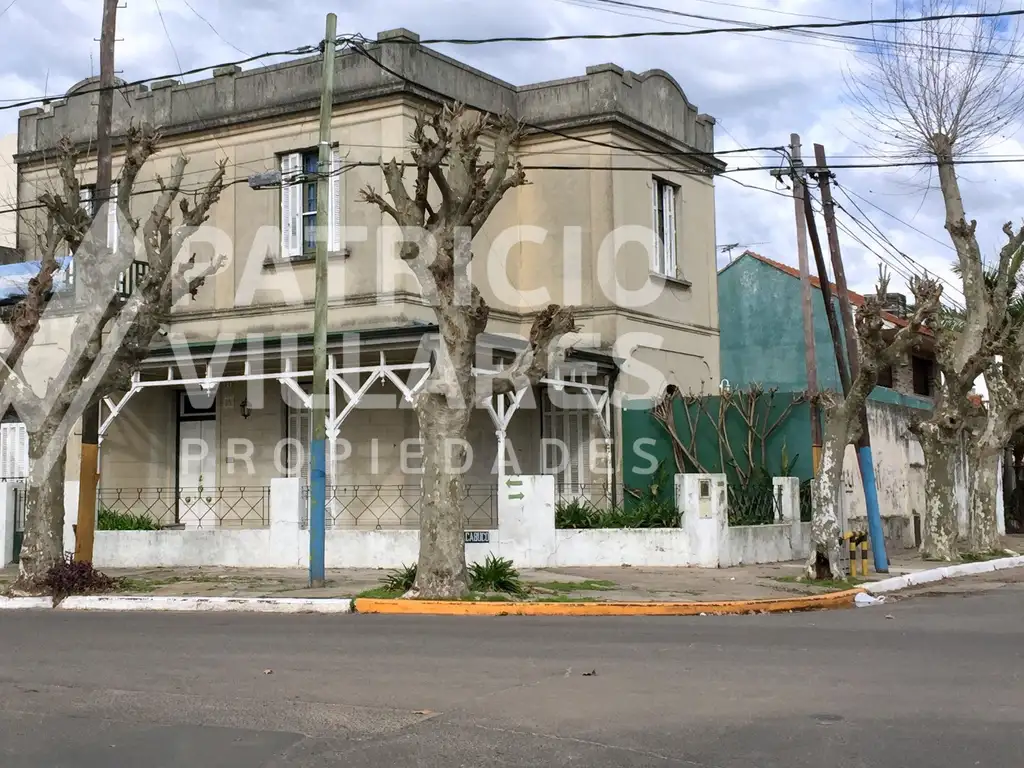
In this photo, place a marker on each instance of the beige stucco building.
(620, 214)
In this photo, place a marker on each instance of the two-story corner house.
(221, 407)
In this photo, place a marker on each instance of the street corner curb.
(25, 603)
(206, 604)
(895, 584)
(830, 600)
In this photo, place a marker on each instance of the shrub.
(577, 513)
(400, 579)
(645, 510)
(73, 578)
(109, 520)
(495, 574)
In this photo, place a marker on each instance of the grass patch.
(848, 583)
(137, 586)
(981, 557)
(381, 593)
(590, 585)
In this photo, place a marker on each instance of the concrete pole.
(318, 447)
(864, 457)
(810, 362)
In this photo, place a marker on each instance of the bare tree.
(447, 152)
(842, 418)
(111, 335)
(995, 422)
(937, 90)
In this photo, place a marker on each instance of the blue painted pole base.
(867, 473)
(317, 510)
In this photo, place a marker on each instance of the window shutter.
(656, 228)
(112, 223)
(291, 206)
(670, 230)
(13, 450)
(299, 430)
(336, 203)
(21, 467)
(7, 450)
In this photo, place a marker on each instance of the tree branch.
(533, 364)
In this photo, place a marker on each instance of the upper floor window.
(924, 375)
(663, 255)
(87, 198)
(885, 377)
(298, 203)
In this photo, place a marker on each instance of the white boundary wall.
(526, 534)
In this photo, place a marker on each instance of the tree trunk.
(983, 534)
(939, 537)
(827, 484)
(43, 546)
(441, 569)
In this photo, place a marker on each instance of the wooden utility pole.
(88, 474)
(806, 296)
(318, 445)
(864, 457)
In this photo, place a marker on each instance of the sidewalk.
(625, 584)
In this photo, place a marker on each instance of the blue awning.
(14, 278)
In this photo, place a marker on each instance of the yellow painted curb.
(842, 599)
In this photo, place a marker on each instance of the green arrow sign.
(516, 496)
(510, 482)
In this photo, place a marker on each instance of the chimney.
(895, 303)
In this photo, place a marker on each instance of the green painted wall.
(762, 337)
(646, 444)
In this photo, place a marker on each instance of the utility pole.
(88, 473)
(318, 445)
(810, 362)
(864, 457)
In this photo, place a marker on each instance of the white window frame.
(292, 198)
(664, 199)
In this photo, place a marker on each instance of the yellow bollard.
(864, 547)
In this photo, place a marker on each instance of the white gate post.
(7, 502)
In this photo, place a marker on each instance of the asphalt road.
(938, 684)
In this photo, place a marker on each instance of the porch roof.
(375, 338)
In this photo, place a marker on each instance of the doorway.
(197, 461)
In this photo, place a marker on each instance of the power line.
(804, 33)
(7, 8)
(914, 263)
(713, 31)
(298, 51)
(905, 272)
(849, 192)
(177, 60)
(213, 28)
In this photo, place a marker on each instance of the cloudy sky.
(760, 87)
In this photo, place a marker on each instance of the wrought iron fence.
(753, 504)
(806, 507)
(398, 507)
(598, 495)
(231, 507)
